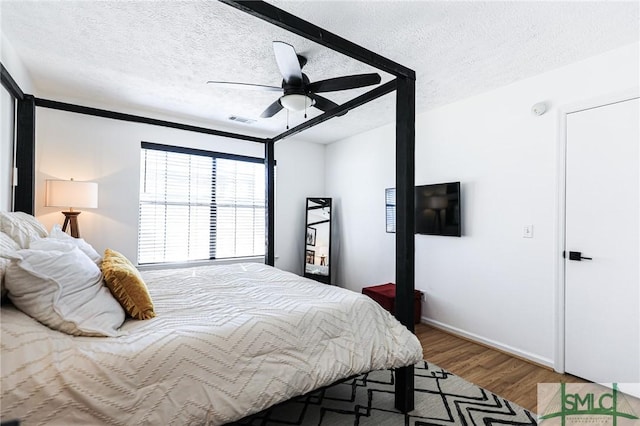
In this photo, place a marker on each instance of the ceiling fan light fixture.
(296, 102)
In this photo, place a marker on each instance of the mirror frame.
(324, 202)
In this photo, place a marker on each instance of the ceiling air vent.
(242, 120)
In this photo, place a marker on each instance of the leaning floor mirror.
(317, 253)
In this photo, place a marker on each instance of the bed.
(316, 269)
(227, 341)
(103, 371)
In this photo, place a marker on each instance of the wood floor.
(510, 377)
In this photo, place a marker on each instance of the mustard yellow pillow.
(126, 285)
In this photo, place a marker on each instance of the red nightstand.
(385, 295)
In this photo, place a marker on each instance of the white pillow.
(7, 245)
(8, 248)
(56, 233)
(21, 227)
(57, 284)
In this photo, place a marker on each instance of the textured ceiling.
(155, 56)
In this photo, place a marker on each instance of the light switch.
(527, 231)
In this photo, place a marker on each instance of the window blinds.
(390, 209)
(196, 206)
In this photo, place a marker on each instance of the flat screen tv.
(438, 209)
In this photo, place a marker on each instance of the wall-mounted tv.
(438, 209)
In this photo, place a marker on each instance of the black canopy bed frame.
(403, 84)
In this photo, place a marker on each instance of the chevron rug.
(441, 398)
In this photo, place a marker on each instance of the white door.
(602, 294)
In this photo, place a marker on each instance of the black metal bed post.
(405, 159)
(405, 228)
(25, 137)
(269, 228)
(24, 191)
(97, 112)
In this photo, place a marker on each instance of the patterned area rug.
(441, 398)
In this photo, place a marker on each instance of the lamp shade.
(71, 193)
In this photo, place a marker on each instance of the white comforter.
(227, 341)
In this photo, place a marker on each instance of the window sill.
(189, 264)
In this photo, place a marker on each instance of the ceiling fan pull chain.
(305, 108)
(287, 119)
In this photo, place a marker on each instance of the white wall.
(299, 174)
(107, 151)
(358, 170)
(17, 70)
(491, 284)
(7, 116)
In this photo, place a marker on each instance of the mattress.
(227, 341)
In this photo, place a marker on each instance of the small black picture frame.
(310, 257)
(311, 236)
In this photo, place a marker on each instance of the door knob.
(577, 255)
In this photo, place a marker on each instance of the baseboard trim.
(526, 356)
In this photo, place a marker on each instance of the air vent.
(242, 120)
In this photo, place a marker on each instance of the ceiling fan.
(298, 93)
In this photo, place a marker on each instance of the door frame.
(561, 170)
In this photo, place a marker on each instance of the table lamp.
(323, 255)
(71, 193)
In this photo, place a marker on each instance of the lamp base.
(71, 219)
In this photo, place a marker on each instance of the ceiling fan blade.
(246, 86)
(344, 83)
(287, 62)
(323, 104)
(272, 109)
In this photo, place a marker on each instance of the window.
(390, 209)
(197, 205)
